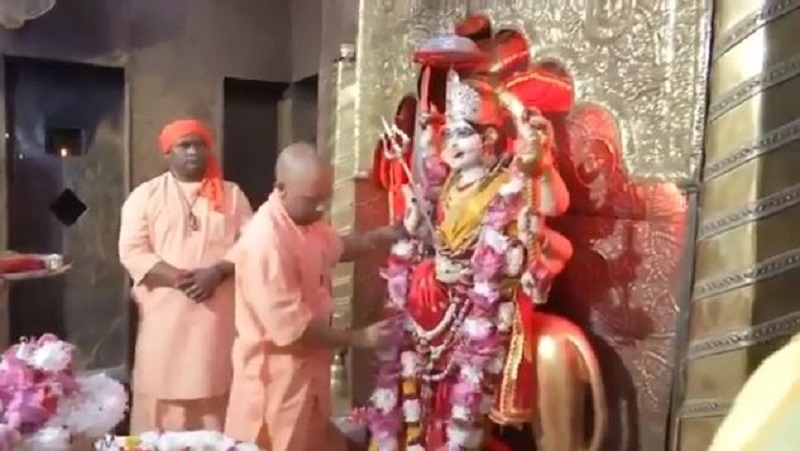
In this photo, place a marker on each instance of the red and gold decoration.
(476, 168)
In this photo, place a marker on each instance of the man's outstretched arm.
(359, 244)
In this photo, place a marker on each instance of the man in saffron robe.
(765, 415)
(280, 397)
(176, 230)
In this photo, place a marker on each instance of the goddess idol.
(479, 257)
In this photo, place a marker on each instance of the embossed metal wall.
(339, 145)
(744, 302)
(645, 63)
(644, 60)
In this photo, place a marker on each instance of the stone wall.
(175, 55)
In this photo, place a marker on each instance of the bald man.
(280, 397)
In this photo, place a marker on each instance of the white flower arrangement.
(46, 407)
(174, 441)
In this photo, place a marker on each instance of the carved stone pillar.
(744, 302)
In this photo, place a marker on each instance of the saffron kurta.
(183, 347)
(280, 395)
(766, 413)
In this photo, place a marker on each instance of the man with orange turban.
(176, 232)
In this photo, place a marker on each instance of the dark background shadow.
(88, 29)
(83, 305)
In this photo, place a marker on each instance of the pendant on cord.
(194, 224)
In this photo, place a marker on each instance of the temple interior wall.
(172, 59)
(165, 59)
(743, 303)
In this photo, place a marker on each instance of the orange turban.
(211, 186)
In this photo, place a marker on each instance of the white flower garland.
(482, 326)
(76, 408)
(174, 441)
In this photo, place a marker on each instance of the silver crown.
(463, 101)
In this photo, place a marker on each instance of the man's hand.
(394, 233)
(200, 284)
(376, 335)
(163, 275)
(357, 245)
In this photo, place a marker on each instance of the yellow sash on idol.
(464, 212)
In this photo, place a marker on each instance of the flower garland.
(174, 441)
(43, 406)
(477, 324)
(385, 418)
(482, 353)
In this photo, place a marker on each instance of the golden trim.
(784, 326)
(769, 12)
(704, 408)
(533, 75)
(504, 412)
(774, 75)
(507, 61)
(745, 254)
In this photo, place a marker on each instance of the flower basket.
(44, 406)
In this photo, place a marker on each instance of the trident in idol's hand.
(393, 151)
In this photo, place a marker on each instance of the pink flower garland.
(44, 406)
(384, 417)
(484, 333)
(484, 330)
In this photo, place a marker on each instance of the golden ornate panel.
(338, 144)
(744, 303)
(644, 60)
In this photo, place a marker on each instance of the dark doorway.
(66, 180)
(304, 97)
(251, 135)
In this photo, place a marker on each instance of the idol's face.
(463, 147)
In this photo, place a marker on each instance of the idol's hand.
(535, 121)
(533, 130)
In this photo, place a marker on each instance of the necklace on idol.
(191, 218)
